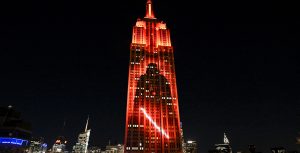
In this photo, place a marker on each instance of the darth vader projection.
(152, 88)
(153, 111)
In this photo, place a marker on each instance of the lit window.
(135, 148)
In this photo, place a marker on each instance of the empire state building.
(152, 116)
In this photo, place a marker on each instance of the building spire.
(87, 123)
(226, 141)
(149, 10)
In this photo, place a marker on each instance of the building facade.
(190, 147)
(37, 145)
(222, 148)
(60, 145)
(119, 148)
(94, 149)
(152, 116)
(83, 140)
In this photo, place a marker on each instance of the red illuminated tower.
(152, 119)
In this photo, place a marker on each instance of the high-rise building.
(60, 145)
(83, 140)
(190, 147)
(225, 147)
(222, 148)
(152, 117)
(182, 138)
(37, 145)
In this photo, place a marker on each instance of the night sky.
(237, 67)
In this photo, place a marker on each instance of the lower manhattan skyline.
(237, 69)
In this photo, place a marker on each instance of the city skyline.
(237, 69)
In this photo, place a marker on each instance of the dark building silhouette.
(222, 148)
(252, 148)
(278, 150)
(15, 133)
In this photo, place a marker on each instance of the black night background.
(237, 67)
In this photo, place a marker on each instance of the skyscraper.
(190, 147)
(152, 117)
(60, 145)
(37, 145)
(222, 148)
(83, 140)
(61, 142)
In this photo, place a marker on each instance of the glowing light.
(155, 125)
(190, 141)
(14, 141)
(151, 45)
(44, 145)
(149, 10)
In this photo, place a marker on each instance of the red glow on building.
(149, 10)
(159, 129)
(152, 117)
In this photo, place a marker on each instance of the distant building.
(252, 148)
(278, 150)
(37, 145)
(119, 148)
(222, 148)
(182, 138)
(83, 140)
(15, 133)
(60, 145)
(190, 147)
(94, 149)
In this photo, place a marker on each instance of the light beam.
(155, 125)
